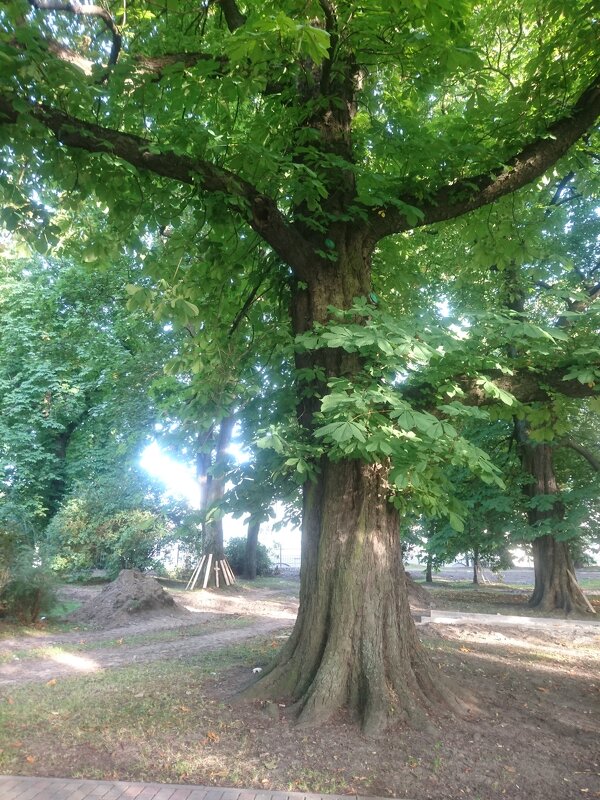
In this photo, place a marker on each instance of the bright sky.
(180, 482)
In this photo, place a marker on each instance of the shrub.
(108, 526)
(26, 588)
(235, 551)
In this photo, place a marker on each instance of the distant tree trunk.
(251, 548)
(554, 587)
(212, 478)
(476, 565)
(429, 569)
(58, 484)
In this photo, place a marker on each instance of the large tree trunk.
(355, 645)
(555, 584)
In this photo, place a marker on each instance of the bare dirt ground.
(202, 621)
(536, 736)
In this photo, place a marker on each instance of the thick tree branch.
(258, 210)
(524, 386)
(583, 452)
(80, 10)
(233, 16)
(458, 198)
(153, 65)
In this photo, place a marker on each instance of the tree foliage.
(314, 133)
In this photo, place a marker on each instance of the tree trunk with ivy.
(555, 582)
(355, 645)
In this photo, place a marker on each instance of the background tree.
(74, 372)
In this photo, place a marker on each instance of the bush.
(26, 588)
(235, 552)
(107, 526)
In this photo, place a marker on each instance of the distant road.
(520, 575)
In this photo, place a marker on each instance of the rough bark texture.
(354, 645)
(554, 587)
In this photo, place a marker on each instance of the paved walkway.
(14, 788)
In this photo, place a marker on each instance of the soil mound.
(131, 595)
(418, 597)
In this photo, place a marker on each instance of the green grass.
(50, 623)
(590, 584)
(169, 635)
(81, 725)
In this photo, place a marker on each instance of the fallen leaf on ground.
(51, 682)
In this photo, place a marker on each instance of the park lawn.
(181, 722)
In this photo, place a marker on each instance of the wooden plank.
(225, 575)
(202, 560)
(208, 566)
(229, 571)
(217, 570)
(192, 576)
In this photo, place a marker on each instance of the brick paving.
(18, 788)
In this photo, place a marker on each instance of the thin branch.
(593, 460)
(458, 198)
(257, 209)
(562, 185)
(80, 10)
(243, 310)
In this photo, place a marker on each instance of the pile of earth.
(131, 595)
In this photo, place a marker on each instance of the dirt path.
(63, 663)
(204, 622)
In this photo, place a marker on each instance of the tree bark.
(429, 569)
(354, 646)
(476, 567)
(554, 589)
(251, 548)
(212, 478)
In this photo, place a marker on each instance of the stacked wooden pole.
(207, 563)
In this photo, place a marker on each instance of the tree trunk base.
(355, 647)
(211, 573)
(556, 588)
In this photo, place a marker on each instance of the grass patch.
(51, 623)
(115, 722)
(276, 582)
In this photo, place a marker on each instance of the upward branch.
(258, 210)
(456, 199)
